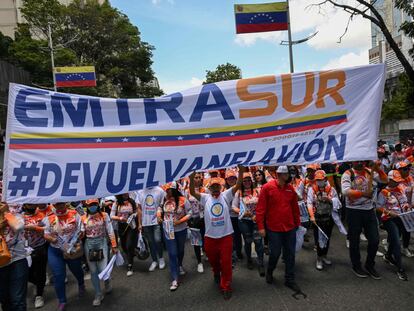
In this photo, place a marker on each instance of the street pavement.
(335, 288)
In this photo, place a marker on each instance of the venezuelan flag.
(261, 17)
(75, 76)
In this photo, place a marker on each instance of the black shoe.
(226, 294)
(402, 275)
(217, 278)
(250, 264)
(359, 272)
(373, 273)
(261, 270)
(269, 277)
(293, 286)
(389, 260)
(240, 256)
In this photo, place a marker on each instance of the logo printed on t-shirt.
(217, 209)
(149, 200)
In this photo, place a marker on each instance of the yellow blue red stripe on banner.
(163, 138)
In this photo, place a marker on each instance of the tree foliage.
(399, 106)
(223, 72)
(85, 33)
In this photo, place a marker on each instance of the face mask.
(30, 211)
(61, 212)
(320, 183)
(93, 209)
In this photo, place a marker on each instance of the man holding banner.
(278, 211)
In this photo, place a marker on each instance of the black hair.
(293, 167)
(264, 181)
(176, 194)
(120, 201)
(252, 186)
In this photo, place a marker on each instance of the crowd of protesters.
(224, 213)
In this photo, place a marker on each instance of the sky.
(192, 36)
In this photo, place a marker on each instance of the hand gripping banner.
(66, 147)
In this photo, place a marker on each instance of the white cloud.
(330, 22)
(156, 2)
(249, 39)
(176, 86)
(348, 60)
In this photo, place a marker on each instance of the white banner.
(65, 147)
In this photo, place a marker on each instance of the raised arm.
(193, 192)
(237, 186)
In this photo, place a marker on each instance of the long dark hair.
(176, 195)
(264, 181)
(120, 201)
(252, 186)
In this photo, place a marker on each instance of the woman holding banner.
(320, 200)
(124, 212)
(244, 204)
(63, 231)
(391, 202)
(98, 230)
(174, 215)
(219, 230)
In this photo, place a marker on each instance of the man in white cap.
(278, 212)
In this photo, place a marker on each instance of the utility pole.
(290, 39)
(52, 57)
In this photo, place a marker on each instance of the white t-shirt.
(217, 214)
(150, 199)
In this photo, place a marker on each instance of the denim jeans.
(366, 220)
(58, 266)
(251, 235)
(153, 235)
(13, 286)
(237, 238)
(285, 241)
(175, 250)
(96, 267)
(393, 228)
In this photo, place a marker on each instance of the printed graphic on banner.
(66, 147)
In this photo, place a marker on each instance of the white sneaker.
(363, 237)
(380, 254)
(162, 263)
(174, 286)
(407, 252)
(182, 272)
(97, 301)
(326, 261)
(87, 276)
(319, 264)
(39, 302)
(154, 264)
(200, 268)
(347, 243)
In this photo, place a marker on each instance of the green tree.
(398, 107)
(85, 33)
(223, 72)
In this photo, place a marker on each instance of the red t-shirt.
(278, 208)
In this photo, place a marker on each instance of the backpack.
(324, 209)
(5, 256)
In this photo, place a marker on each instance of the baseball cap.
(215, 180)
(395, 176)
(247, 175)
(282, 169)
(402, 164)
(314, 167)
(230, 173)
(92, 201)
(172, 185)
(320, 175)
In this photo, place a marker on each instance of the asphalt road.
(335, 288)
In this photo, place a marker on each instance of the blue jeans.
(358, 220)
(96, 267)
(58, 266)
(175, 250)
(393, 227)
(13, 286)
(251, 235)
(153, 235)
(287, 242)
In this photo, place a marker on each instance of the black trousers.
(37, 272)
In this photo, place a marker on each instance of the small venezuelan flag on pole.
(75, 76)
(261, 17)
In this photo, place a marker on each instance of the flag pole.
(290, 39)
(52, 57)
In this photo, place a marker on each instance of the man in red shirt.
(278, 211)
